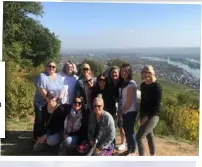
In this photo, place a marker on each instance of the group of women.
(80, 113)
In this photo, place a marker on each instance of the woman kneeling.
(75, 127)
(51, 126)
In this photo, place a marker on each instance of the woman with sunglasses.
(75, 126)
(49, 130)
(69, 79)
(151, 95)
(48, 80)
(101, 129)
(101, 88)
(84, 88)
(128, 106)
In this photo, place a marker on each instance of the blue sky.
(116, 25)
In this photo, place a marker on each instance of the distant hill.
(186, 51)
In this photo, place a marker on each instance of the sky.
(102, 163)
(118, 25)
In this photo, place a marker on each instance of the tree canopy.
(25, 40)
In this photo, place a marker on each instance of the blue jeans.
(71, 142)
(51, 140)
(128, 125)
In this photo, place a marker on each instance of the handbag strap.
(50, 118)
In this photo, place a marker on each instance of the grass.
(16, 124)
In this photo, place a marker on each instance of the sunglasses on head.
(85, 69)
(76, 102)
(95, 106)
(51, 66)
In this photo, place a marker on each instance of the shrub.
(162, 128)
(186, 123)
(19, 92)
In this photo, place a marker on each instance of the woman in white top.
(69, 79)
(128, 106)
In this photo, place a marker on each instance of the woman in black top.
(49, 131)
(101, 87)
(151, 94)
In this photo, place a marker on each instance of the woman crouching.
(101, 130)
(49, 131)
(75, 127)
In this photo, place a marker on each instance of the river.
(193, 72)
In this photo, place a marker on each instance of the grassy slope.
(170, 89)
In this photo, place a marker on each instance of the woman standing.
(128, 106)
(101, 87)
(69, 79)
(151, 94)
(47, 81)
(84, 88)
(113, 87)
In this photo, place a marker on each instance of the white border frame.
(113, 158)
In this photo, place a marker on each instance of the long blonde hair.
(74, 67)
(151, 70)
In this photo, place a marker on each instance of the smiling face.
(51, 68)
(115, 74)
(98, 106)
(88, 80)
(77, 104)
(148, 74)
(102, 81)
(124, 73)
(69, 68)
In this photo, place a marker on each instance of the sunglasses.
(95, 106)
(85, 69)
(102, 80)
(76, 102)
(51, 66)
(146, 72)
(88, 80)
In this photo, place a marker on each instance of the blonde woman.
(151, 94)
(101, 128)
(69, 79)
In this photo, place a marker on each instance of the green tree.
(96, 67)
(25, 40)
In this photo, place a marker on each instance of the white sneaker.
(131, 154)
(122, 147)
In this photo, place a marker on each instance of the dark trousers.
(147, 130)
(128, 125)
(37, 120)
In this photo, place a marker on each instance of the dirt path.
(20, 143)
